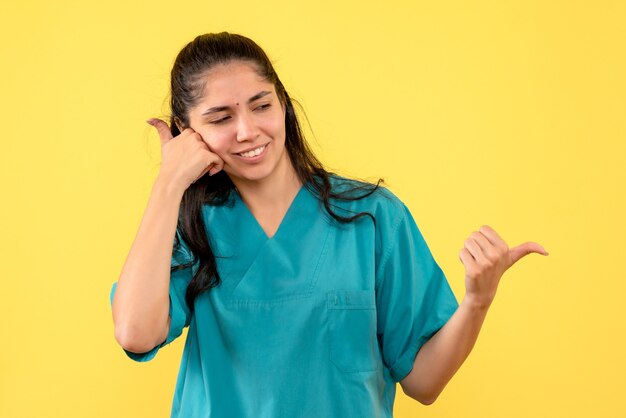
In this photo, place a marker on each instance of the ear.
(179, 124)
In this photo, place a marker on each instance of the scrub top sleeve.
(178, 310)
(413, 297)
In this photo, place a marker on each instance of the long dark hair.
(187, 85)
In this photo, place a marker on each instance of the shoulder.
(362, 196)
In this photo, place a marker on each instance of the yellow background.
(507, 113)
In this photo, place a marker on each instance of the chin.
(250, 175)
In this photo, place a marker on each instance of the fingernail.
(150, 122)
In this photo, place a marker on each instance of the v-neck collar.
(253, 220)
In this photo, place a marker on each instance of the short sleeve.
(414, 299)
(178, 309)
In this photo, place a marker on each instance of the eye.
(219, 121)
(263, 106)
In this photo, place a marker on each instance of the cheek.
(276, 126)
(218, 143)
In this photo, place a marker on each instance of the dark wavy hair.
(188, 78)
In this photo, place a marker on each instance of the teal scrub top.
(321, 320)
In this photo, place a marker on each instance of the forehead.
(233, 81)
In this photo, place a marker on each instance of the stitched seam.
(319, 262)
(388, 251)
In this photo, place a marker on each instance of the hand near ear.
(486, 257)
(185, 158)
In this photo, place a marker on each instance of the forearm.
(486, 257)
(141, 302)
(444, 353)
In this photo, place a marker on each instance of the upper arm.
(179, 314)
(169, 321)
(414, 299)
(166, 330)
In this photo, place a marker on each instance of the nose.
(247, 130)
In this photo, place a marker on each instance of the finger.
(485, 245)
(492, 236)
(525, 249)
(474, 249)
(212, 167)
(467, 260)
(217, 167)
(163, 129)
(202, 174)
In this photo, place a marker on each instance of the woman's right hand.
(186, 157)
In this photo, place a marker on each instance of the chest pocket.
(352, 330)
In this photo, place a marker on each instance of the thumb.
(164, 130)
(524, 249)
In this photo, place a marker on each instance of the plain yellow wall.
(507, 113)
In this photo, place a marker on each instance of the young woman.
(306, 294)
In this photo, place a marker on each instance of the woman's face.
(242, 121)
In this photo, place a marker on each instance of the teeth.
(253, 153)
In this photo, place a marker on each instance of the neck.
(274, 192)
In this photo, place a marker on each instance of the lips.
(252, 152)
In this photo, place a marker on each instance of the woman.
(306, 294)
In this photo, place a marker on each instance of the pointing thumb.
(525, 249)
(164, 130)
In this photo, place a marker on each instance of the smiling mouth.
(252, 153)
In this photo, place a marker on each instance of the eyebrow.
(216, 109)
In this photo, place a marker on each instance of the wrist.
(169, 187)
(477, 303)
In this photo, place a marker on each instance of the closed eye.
(218, 121)
(225, 118)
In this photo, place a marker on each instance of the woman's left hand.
(486, 257)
